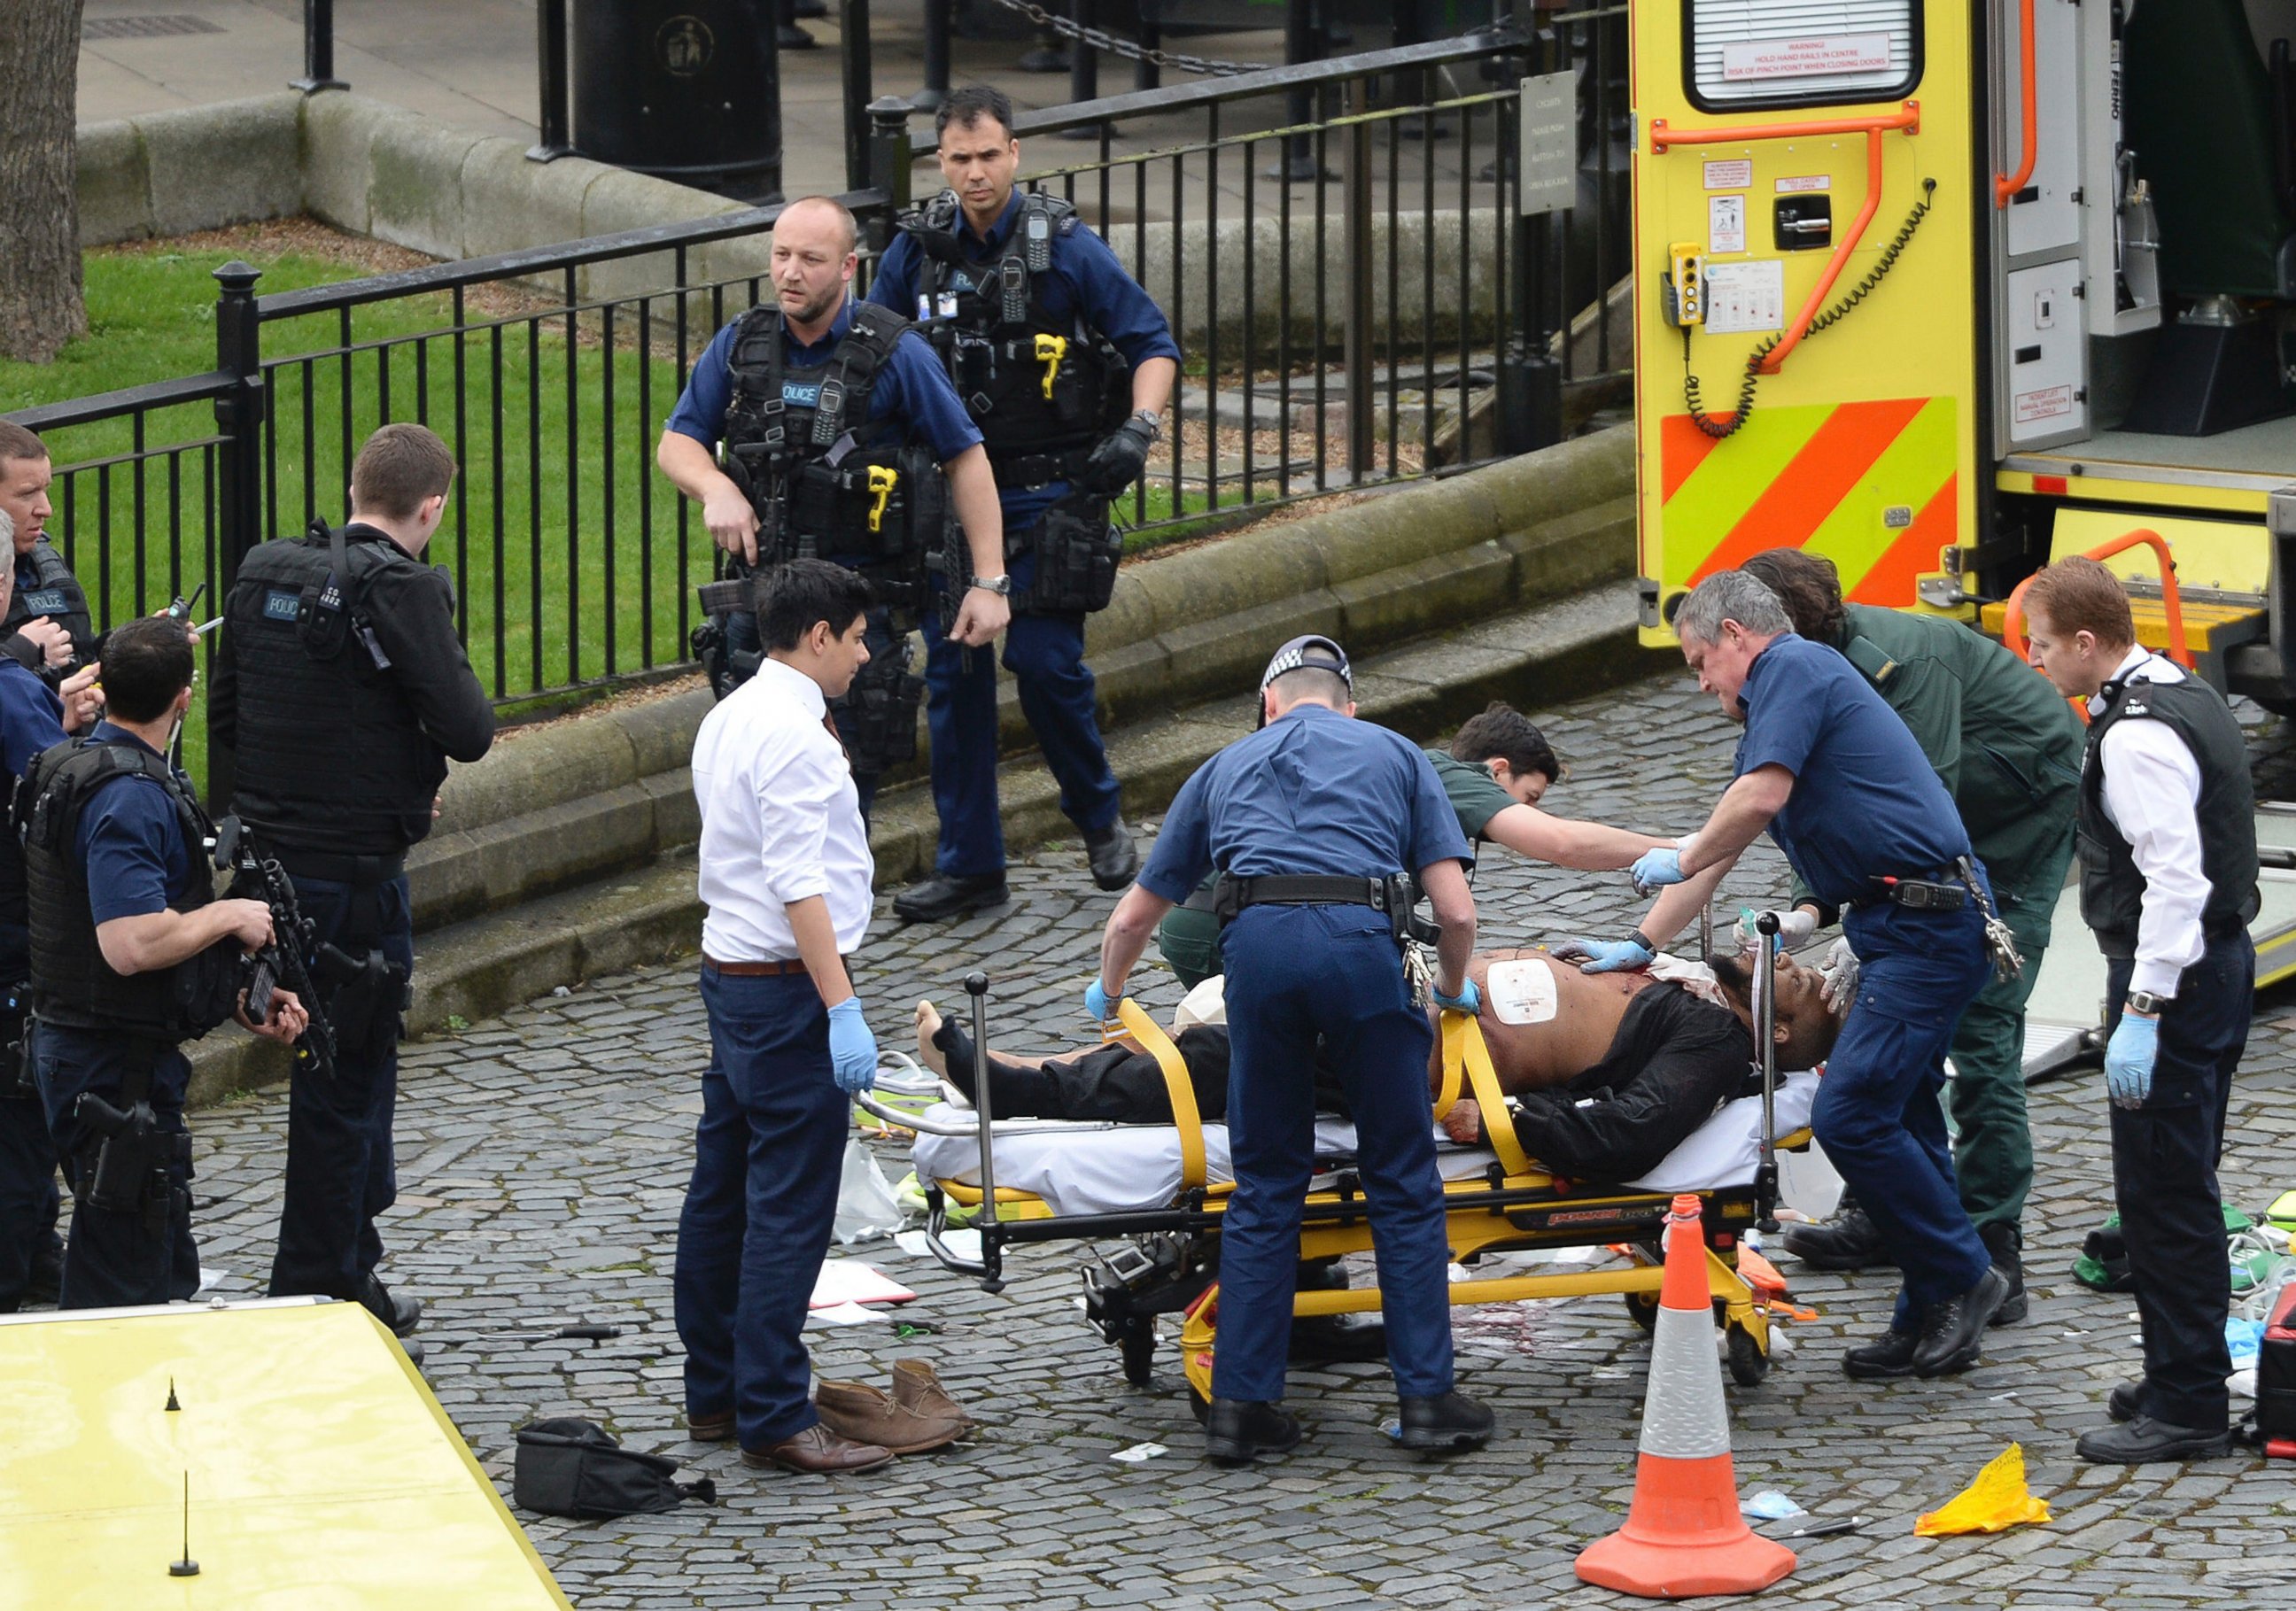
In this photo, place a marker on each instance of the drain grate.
(144, 27)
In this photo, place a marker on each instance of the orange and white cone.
(1685, 1535)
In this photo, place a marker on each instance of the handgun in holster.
(366, 995)
(126, 1171)
(1401, 892)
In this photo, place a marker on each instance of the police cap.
(1310, 652)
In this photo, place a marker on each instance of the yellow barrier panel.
(322, 1471)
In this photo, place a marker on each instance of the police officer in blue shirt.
(836, 426)
(33, 718)
(1841, 786)
(1067, 365)
(131, 955)
(1314, 821)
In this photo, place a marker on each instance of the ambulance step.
(2210, 627)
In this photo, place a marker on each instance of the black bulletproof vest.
(1033, 383)
(53, 592)
(2112, 890)
(72, 985)
(825, 481)
(325, 732)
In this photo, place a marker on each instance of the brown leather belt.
(756, 970)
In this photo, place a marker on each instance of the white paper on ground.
(843, 1314)
(1138, 1452)
(962, 1244)
(851, 1282)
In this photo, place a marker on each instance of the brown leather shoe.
(821, 1452)
(918, 1389)
(859, 1411)
(710, 1429)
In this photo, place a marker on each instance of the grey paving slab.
(543, 1157)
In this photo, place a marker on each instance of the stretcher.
(1166, 1260)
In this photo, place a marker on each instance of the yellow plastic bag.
(1997, 1501)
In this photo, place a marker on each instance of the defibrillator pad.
(1522, 991)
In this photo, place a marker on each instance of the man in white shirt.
(2167, 833)
(785, 874)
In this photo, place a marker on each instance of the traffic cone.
(1685, 1535)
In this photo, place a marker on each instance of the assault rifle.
(257, 877)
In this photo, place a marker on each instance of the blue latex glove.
(1098, 1002)
(1656, 869)
(2128, 1058)
(1469, 1000)
(852, 1049)
(1606, 956)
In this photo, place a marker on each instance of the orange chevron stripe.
(1821, 475)
(1890, 582)
(1682, 448)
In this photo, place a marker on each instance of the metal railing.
(1337, 323)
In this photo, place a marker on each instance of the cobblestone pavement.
(541, 1157)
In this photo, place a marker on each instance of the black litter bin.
(687, 90)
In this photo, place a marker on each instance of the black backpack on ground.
(574, 1467)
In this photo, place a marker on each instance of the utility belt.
(359, 871)
(876, 716)
(1931, 894)
(1395, 894)
(1025, 471)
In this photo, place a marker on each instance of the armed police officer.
(33, 718)
(343, 689)
(1836, 778)
(1318, 824)
(131, 955)
(1067, 365)
(816, 427)
(2167, 881)
(46, 626)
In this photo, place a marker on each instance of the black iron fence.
(1360, 323)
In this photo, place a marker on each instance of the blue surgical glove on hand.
(2128, 1058)
(1606, 956)
(852, 1049)
(1469, 1000)
(1098, 1002)
(1656, 869)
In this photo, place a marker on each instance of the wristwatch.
(2146, 1001)
(1000, 585)
(1155, 423)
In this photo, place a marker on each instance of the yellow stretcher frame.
(1519, 1205)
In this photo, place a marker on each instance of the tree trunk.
(40, 305)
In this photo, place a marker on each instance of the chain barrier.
(1116, 44)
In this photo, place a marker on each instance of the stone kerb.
(197, 167)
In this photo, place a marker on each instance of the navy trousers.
(1293, 973)
(1044, 653)
(341, 1170)
(768, 1156)
(144, 1256)
(2164, 1182)
(1877, 1113)
(30, 1202)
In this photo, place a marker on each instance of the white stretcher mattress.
(1110, 1168)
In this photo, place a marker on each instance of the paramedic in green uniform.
(1494, 774)
(2008, 749)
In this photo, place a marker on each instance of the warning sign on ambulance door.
(1820, 56)
(1725, 224)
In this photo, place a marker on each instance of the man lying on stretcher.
(1608, 1072)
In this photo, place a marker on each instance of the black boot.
(1447, 1424)
(1850, 1241)
(400, 1315)
(1886, 1358)
(2005, 1242)
(1236, 1429)
(1953, 1331)
(2142, 1441)
(944, 896)
(1115, 859)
